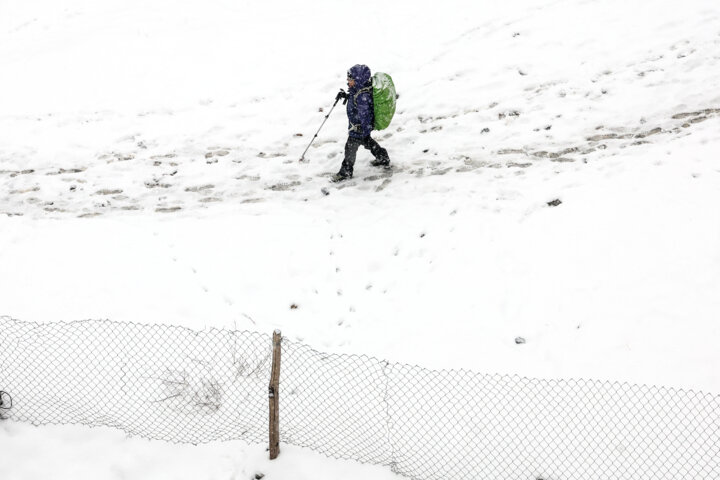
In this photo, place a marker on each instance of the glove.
(341, 94)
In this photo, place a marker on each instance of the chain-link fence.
(459, 424)
(155, 381)
(180, 385)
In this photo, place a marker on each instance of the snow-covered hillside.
(149, 173)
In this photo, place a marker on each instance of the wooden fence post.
(274, 397)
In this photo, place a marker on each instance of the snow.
(80, 452)
(149, 174)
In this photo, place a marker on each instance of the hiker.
(359, 98)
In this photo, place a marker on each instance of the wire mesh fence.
(156, 381)
(180, 385)
(459, 424)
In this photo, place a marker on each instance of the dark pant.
(351, 148)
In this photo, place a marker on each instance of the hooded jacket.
(360, 102)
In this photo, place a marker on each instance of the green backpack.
(384, 99)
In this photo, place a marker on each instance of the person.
(360, 114)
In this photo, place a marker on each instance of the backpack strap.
(362, 90)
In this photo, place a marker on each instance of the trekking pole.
(302, 157)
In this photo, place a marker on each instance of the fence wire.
(175, 384)
(156, 381)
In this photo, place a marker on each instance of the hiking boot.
(340, 176)
(380, 162)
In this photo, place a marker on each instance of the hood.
(361, 74)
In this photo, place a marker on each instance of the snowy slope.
(149, 173)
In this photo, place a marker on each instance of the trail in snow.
(114, 182)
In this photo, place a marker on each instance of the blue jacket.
(361, 116)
